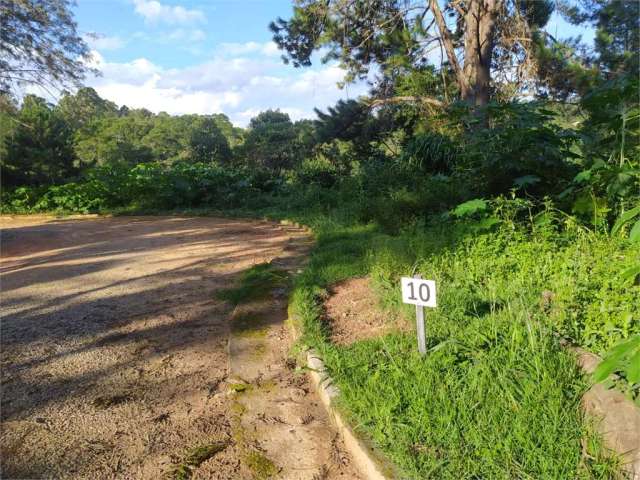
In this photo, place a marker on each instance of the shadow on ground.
(113, 341)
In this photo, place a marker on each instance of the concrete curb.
(371, 464)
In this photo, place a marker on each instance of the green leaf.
(613, 360)
(606, 368)
(634, 235)
(624, 218)
(486, 223)
(583, 176)
(583, 204)
(469, 208)
(633, 371)
(630, 273)
(625, 346)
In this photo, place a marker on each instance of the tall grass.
(496, 396)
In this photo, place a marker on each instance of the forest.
(512, 175)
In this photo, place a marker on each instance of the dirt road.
(115, 355)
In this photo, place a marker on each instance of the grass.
(496, 396)
(255, 283)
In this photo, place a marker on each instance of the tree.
(348, 120)
(169, 137)
(40, 149)
(8, 114)
(85, 106)
(39, 44)
(617, 39)
(306, 136)
(271, 141)
(234, 135)
(479, 40)
(112, 140)
(207, 143)
(569, 68)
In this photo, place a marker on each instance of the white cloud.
(243, 117)
(270, 48)
(238, 86)
(182, 34)
(136, 72)
(153, 11)
(103, 42)
(312, 81)
(266, 49)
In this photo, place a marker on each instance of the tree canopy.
(39, 150)
(271, 141)
(484, 48)
(206, 141)
(39, 44)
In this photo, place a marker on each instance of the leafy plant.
(470, 207)
(630, 274)
(624, 358)
(626, 218)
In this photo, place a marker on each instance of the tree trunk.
(474, 78)
(479, 36)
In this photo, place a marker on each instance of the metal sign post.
(421, 293)
(422, 334)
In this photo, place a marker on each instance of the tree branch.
(406, 99)
(459, 9)
(445, 33)
(447, 42)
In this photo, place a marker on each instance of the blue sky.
(208, 56)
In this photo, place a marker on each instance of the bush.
(148, 186)
(72, 197)
(316, 171)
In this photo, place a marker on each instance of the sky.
(208, 56)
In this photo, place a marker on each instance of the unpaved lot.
(115, 353)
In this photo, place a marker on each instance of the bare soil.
(353, 313)
(115, 354)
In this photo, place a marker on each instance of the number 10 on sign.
(421, 293)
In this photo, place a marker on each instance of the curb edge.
(364, 456)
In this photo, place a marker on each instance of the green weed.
(255, 283)
(261, 467)
(194, 458)
(240, 387)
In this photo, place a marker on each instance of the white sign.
(419, 292)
